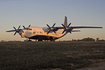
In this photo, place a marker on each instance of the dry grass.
(47, 55)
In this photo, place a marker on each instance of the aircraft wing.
(70, 29)
(76, 27)
(66, 27)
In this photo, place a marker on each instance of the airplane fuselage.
(40, 33)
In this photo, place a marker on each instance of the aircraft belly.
(45, 36)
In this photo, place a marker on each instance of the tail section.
(65, 21)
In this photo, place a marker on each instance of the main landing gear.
(40, 40)
(29, 40)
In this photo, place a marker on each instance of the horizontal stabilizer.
(84, 27)
(75, 30)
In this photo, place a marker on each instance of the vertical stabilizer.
(65, 21)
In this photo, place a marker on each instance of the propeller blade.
(54, 31)
(64, 26)
(11, 31)
(18, 27)
(14, 33)
(48, 32)
(63, 31)
(69, 24)
(48, 25)
(14, 28)
(69, 31)
(24, 27)
(29, 25)
(53, 24)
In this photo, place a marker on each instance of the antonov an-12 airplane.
(47, 33)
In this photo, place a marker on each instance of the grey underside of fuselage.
(42, 37)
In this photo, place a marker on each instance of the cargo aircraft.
(47, 33)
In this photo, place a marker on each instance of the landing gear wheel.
(52, 40)
(39, 40)
(29, 40)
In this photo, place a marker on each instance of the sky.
(41, 12)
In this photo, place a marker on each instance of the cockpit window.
(28, 29)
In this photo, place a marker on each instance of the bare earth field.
(52, 55)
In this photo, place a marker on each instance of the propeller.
(51, 28)
(17, 30)
(25, 27)
(67, 29)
